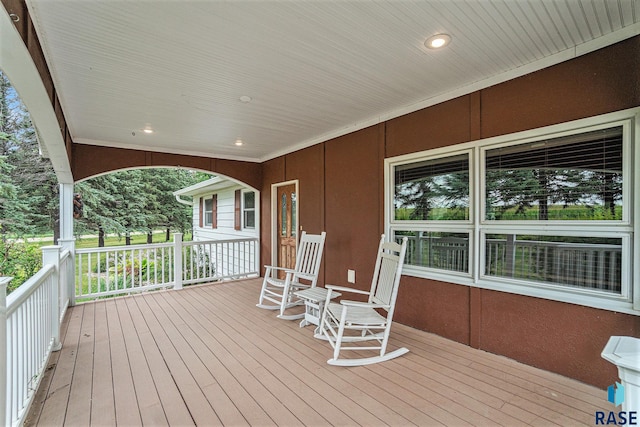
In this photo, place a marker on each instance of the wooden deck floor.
(207, 356)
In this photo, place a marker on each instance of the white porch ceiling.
(313, 69)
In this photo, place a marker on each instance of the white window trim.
(478, 227)
(204, 212)
(254, 209)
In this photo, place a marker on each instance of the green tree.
(138, 200)
(12, 208)
(101, 207)
(170, 214)
(14, 205)
(35, 178)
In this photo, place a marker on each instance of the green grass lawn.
(84, 242)
(136, 239)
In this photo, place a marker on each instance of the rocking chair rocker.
(357, 322)
(280, 292)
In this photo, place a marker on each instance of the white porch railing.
(30, 316)
(219, 259)
(121, 270)
(30, 330)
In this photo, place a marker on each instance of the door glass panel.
(293, 215)
(283, 231)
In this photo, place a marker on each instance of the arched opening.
(157, 227)
(133, 205)
(154, 201)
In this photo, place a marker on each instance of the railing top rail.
(5, 280)
(124, 248)
(24, 291)
(205, 242)
(559, 244)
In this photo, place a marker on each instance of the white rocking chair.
(357, 322)
(280, 292)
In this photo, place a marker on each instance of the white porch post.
(4, 281)
(66, 240)
(177, 260)
(51, 255)
(66, 211)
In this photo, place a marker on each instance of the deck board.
(103, 403)
(168, 392)
(206, 355)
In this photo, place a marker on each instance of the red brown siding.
(353, 204)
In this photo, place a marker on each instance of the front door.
(286, 214)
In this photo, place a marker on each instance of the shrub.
(20, 261)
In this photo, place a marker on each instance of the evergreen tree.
(101, 205)
(135, 201)
(12, 209)
(34, 176)
(13, 203)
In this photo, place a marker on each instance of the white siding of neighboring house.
(228, 257)
(226, 213)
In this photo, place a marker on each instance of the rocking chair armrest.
(350, 303)
(344, 289)
(273, 267)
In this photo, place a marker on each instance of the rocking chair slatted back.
(384, 288)
(308, 261)
(278, 293)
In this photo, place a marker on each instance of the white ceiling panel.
(313, 69)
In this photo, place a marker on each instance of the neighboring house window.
(210, 211)
(249, 209)
(545, 213)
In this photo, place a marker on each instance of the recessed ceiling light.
(438, 41)
(147, 130)
(238, 142)
(246, 99)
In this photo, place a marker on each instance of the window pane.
(447, 251)
(208, 211)
(294, 204)
(249, 200)
(249, 219)
(578, 177)
(584, 262)
(283, 213)
(435, 189)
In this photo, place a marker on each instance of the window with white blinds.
(546, 212)
(434, 189)
(576, 177)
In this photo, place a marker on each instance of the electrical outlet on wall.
(351, 276)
